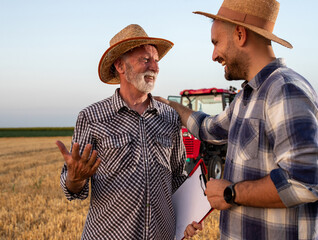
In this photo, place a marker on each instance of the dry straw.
(257, 15)
(130, 37)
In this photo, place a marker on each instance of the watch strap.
(230, 194)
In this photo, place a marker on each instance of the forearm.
(258, 193)
(183, 111)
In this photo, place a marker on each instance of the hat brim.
(259, 31)
(114, 52)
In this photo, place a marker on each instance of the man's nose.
(214, 55)
(154, 66)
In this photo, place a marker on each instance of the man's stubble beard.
(237, 68)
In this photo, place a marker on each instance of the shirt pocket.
(249, 139)
(116, 151)
(164, 140)
(163, 150)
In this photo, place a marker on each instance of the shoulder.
(98, 111)
(168, 113)
(288, 84)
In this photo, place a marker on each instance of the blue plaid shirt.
(272, 129)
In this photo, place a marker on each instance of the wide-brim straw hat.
(130, 37)
(257, 15)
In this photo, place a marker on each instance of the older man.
(129, 145)
(270, 185)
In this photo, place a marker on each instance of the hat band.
(246, 18)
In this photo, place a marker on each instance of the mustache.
(150, 73)
(219, 59)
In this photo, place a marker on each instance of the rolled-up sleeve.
(293, 127)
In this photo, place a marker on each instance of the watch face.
(228, 194)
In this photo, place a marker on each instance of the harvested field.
(32, 205)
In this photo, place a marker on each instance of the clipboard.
(189, 201)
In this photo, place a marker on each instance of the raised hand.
(79, 168)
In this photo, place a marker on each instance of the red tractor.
(211, 101)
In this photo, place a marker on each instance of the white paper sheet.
(189, 203)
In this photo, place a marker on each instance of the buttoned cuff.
(83, 194)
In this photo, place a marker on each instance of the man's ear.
(119, 65)
(240, 35)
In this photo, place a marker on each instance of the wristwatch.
(229, 194)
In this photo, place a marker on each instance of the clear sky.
(50, 50)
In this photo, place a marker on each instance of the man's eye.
(146, 59)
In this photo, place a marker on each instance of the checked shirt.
(143, 159)
(272, 129)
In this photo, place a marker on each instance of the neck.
(135, 99)
(261, 54)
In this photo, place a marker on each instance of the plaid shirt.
(142, 164)
(272, 129)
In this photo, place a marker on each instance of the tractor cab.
(211, 101)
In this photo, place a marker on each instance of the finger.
(86, 152)
(212, 203)
(211, 180)
(197, 226)
(185, 234)
(95, 166)
(92, 159)
(62, 148)
(75, 152)
(190, 230)
(209, 186)
(160, 99)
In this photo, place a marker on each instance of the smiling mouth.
(150, 77)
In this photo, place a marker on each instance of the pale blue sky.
(50, 50)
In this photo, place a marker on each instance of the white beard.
(140, 83)
(138, 80)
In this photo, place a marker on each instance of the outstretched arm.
(183, 111)
(258, 193)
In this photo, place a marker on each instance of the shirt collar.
(119, 103)
(154, 106)
(260, 77)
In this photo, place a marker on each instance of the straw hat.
(257, 15)
(130, 37)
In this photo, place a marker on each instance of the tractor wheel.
(215, 167)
